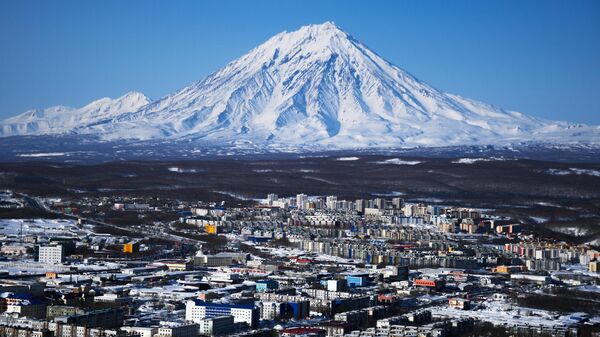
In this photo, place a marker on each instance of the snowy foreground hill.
(314, 88)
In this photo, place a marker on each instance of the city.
(287, 266)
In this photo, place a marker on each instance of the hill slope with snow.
(314, 87)
(61, 119)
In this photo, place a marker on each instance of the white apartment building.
(331, 202)
(51, 254)
(301, 200)
(197, 310)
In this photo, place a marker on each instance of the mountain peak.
(325, 28)
(325, 25)
(134, 95)
(310, 38)
(327, 31)
(134, 98)
(130, 101)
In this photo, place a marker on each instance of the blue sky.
(538, 57)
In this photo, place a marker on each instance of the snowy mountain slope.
(319, 87)
(62, 119)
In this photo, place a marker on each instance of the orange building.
(437, 284)
(508, 269)
(131, 247)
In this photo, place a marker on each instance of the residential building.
(357, 280)
(216, 326)
(178, 330)
(196, 310)
(53, 254)
(265, 285)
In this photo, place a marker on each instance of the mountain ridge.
(59, 118)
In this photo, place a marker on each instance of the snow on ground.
(595, 242)
(430, 200)
(474, 160)
(574, 231)
(284, 252)
(590, 288)
(182, 170)
(235, 195)
(548, 204)
(538, 219)
(504, 313)
(332, 258)
(398, 161)
(293, 252)
(42, 154)
(595, 173)
(390, 194)
(47, 227)
(573, 170)
(571, 270)
(31, 267)
(321, 180)
(347, 158)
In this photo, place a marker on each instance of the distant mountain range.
(314, 88)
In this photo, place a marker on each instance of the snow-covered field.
(183, 170)
(503, 313)
(538, 219)
(475, 160)
(398, 161)
(294, 252)
(389, 194)
(573, 170)
(570, 230)
(42, 154)
(30, 267)
(43, 227)
(574, 269)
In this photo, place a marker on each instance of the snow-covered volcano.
(316, 87)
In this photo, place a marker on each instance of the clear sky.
(538, 57)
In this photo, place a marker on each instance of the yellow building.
(211, 229)
(594, 266)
